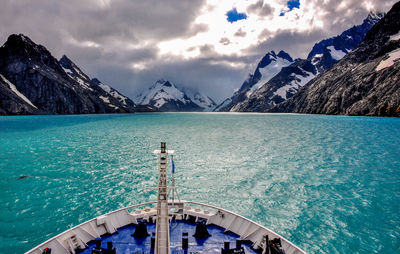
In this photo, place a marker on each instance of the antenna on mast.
(173, 187)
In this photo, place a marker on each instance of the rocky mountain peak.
(365, 82)
(268, 67)
(284, 55)
(340, 45)
(72, 69)
(20, 48)
(20, 40)
(36, 82)
(386, 28)
(374, 17)
(65, 61)
(290, 75)
(166, 96)
(167, 84)
(21, 45)
(267, 59)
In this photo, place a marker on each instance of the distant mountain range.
(365, 82)
(166, 96)
(354, 73)
(268, 67)
(32, 81)
(278, 77)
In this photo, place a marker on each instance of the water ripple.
(329, 184)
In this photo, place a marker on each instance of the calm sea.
(330, 184)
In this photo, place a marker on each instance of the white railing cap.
(167, 151)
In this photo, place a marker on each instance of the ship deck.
(124, 242)
(119, 225)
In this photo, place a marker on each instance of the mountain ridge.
(267, 67)
(291, 78)
(52, 86)
(364, 82)
(166, 96)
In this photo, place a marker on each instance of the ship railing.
(245, 228)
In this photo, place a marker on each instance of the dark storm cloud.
(297, 44)
(207, 74)
(65, 26)
(207, 50)
(260, 8)
(224, 41)
(240, 33)
(53, 23)
(138, 21)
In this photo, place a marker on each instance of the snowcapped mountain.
(200, 99)
(364, 82)
(75, 73)
(329, 51)
(291, 78)
(114, 93)
(104, 92)
(268, 67)
(165, 96)
(32, 81)
(282, 86)
(12, 101)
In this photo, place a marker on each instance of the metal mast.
(162, 226)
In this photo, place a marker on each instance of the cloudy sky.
(208, 44)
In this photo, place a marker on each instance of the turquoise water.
(330, 184)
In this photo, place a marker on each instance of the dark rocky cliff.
(12, 102)
(268, 67)
(282, 86)
(39, 77)
(290, 79)
(364, 82)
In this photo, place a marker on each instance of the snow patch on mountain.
(336, 54)
(298, 82)
(105, 87)
(15, 90)
(270, 65)
(161, 92)
(68, 71)
(316, 59)
(75, 73)
(114, 93)
(82, 83)
(223, 104)
(204, 101)
(270, 70)
(393, 57)
(395, 37)
(105, 99)
(200, 99)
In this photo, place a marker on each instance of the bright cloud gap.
(291, 4)
(233, 15)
